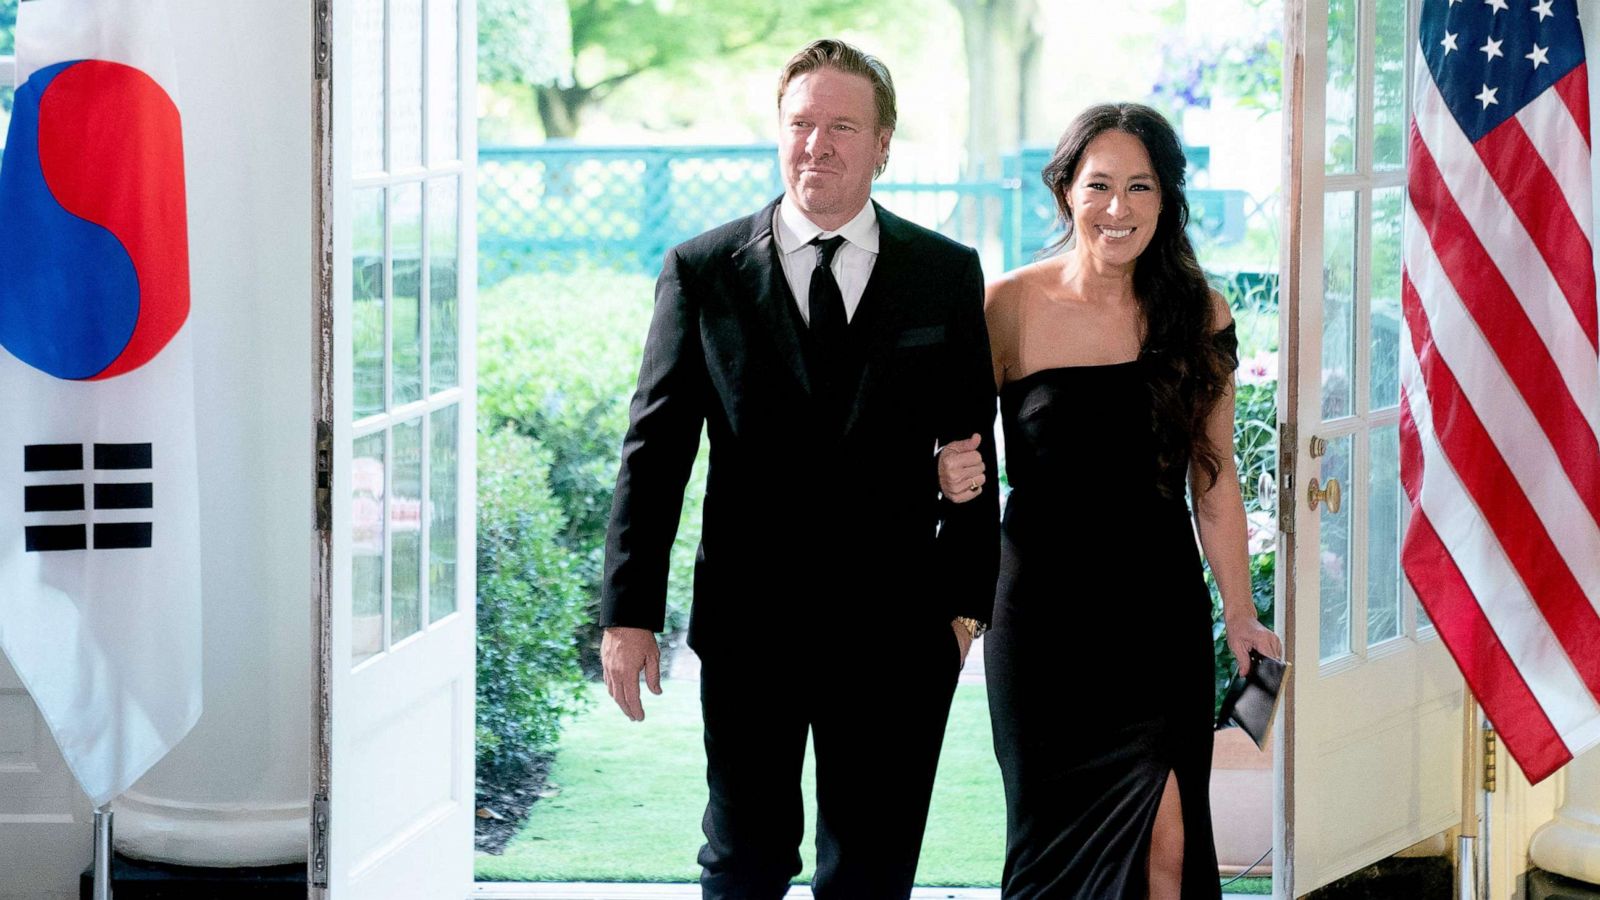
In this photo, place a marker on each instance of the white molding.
(211, 834)
(1569, 843)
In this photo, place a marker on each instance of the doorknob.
(1328, 493)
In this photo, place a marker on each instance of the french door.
(393, 811)
(1371, 753)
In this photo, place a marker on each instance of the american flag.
(1499, 451)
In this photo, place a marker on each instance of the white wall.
(235, 790)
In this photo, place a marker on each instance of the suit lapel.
(761, 277)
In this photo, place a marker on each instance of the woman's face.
(1115, 199)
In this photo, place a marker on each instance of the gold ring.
(973, 487)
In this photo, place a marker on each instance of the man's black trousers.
(874, 703)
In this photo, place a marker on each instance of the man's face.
(829, 144)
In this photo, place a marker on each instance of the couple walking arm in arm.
(827, 347)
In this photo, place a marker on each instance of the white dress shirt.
(852, 262)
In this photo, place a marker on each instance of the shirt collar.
(794, 230)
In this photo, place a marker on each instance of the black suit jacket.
(807, 521)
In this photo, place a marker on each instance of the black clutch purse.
(1252, 702)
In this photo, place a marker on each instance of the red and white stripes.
(1500, 430)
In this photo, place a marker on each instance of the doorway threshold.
(617, 891)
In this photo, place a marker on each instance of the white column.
(1569, 844)
(235, 791)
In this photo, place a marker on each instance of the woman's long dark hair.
(1189, 372)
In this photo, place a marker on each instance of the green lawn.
(631, 795)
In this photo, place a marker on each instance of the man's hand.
(624, 653)
(961, 469)
(962, 638)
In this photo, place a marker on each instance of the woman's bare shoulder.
(1018, 285)
(1221, 314)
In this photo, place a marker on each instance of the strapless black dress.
(1099, 662)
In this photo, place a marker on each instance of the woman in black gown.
(1114, 363)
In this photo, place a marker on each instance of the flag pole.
(1467, 847)
(102, 852)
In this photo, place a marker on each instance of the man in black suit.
(828, 347)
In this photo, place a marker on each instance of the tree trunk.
(1002, 43)
(561, 109)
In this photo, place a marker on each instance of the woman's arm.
(1220, 520)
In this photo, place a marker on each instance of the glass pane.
(405, 532)
(1341, 93)
(8, 27)
(1384, 619)
(405, 83)
(1389, 86)
(443, 82)
(7, 98)
(366, 325)
(366, 545)
(443, 316)
(405, 241)
(366, 87)
(442, 480)
(1338, 305)
(1387, 204)
(1334, 559)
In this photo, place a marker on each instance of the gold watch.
(975, 629)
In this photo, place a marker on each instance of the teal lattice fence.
(558, 207)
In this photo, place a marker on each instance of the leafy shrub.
(557, 360)
(530, 600)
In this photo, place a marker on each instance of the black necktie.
(828, 322)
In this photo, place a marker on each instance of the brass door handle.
(1328, 493)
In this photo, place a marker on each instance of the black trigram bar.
(52, 497)
(48, 538)
(52, 457)
(133, 495)
(121, 535)
(122, 456)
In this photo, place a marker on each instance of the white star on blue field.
(1491, 58)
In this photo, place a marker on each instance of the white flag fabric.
(99, 508)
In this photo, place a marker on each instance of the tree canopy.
(523, 41)
(615, 41)
(8, 25)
